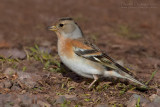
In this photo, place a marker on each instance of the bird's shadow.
(79, 79)
(66, 72)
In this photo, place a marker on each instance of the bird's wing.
(87, 50)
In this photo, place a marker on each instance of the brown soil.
(130, 35)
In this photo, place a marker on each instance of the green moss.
(50, 62)
(127, 32)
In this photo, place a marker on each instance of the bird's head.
(67, 28)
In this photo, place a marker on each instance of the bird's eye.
(61, 25)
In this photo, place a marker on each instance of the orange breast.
(66, 48)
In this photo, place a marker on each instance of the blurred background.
(128, 30)
(23, 23)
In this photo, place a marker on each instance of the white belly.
(79, 65)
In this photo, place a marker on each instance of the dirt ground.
(127, 31)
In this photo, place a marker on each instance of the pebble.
(13, 53)
(29, 79)
(15, 88)
(1, 85)
(43, 104)
(70, 97)
(26, 99)
(7, 84)
(63, 98)
(16, 105)
(134, 98)
(60, 99)
(9, 71)
(22, 100)
(103, 105)
(151, 105)
(155, 98)
(158, 92)
(35, 105)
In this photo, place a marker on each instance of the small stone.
(26, 99)
(29, 79)
(134, 98)
(158, 92)
(43, 104)
(16, 105)
(155, 98)
(7, 105)
(70, 97)
(25, 105)
(9, 71)
(7, 84)
(13, 53)
(35, 105)
(102, 105)
(15, 87)
(1, 85)
(151, 105)
(23, 91)
(60, 99)
(152, 97)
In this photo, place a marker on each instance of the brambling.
(83, 57)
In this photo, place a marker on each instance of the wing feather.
(95, 54)
(91, 52)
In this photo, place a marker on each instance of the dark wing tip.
(65, 18)
(120, 67)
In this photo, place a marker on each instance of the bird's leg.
(95, 79)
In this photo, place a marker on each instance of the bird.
(83, 57)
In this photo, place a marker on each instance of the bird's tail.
(123, 75)
(134, 80)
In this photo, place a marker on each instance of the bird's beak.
(52, 28)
